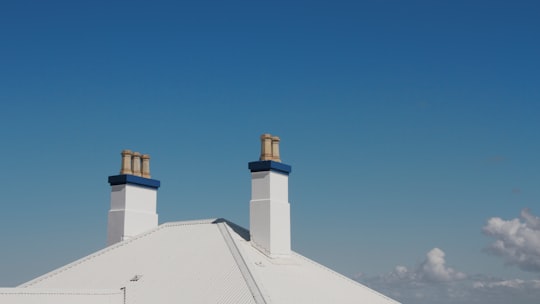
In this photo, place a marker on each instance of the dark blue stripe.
(269, 165)
(135, 180)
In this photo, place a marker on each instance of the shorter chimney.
(269, 208)
(133, 199)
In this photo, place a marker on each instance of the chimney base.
(133, 207)
(270, 220)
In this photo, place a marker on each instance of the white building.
(203, 261)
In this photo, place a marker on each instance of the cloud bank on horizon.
(517, 241)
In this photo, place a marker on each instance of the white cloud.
(432, 281)
(434, 268)
(510, 284)
(516, 240)
(531, 220)
(489, 290)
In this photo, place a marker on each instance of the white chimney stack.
(269, 212)
(133, 199)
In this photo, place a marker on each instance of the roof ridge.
(189, 222)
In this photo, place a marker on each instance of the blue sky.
(408, 124)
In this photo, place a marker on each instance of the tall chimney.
(133, 199)
(269, 208)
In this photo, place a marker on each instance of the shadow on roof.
(241, 231)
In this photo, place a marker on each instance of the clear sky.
(412, 128)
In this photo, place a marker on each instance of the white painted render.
(269, 221)
(133, 211)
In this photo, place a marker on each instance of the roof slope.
(298, 279)
(209, 261)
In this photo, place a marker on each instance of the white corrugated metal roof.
(60, 296)
(185, 261)
(298, 279)
(209, 261)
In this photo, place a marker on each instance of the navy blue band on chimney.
(269, 165)
(134, 180)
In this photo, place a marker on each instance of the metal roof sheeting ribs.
(207, 261)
